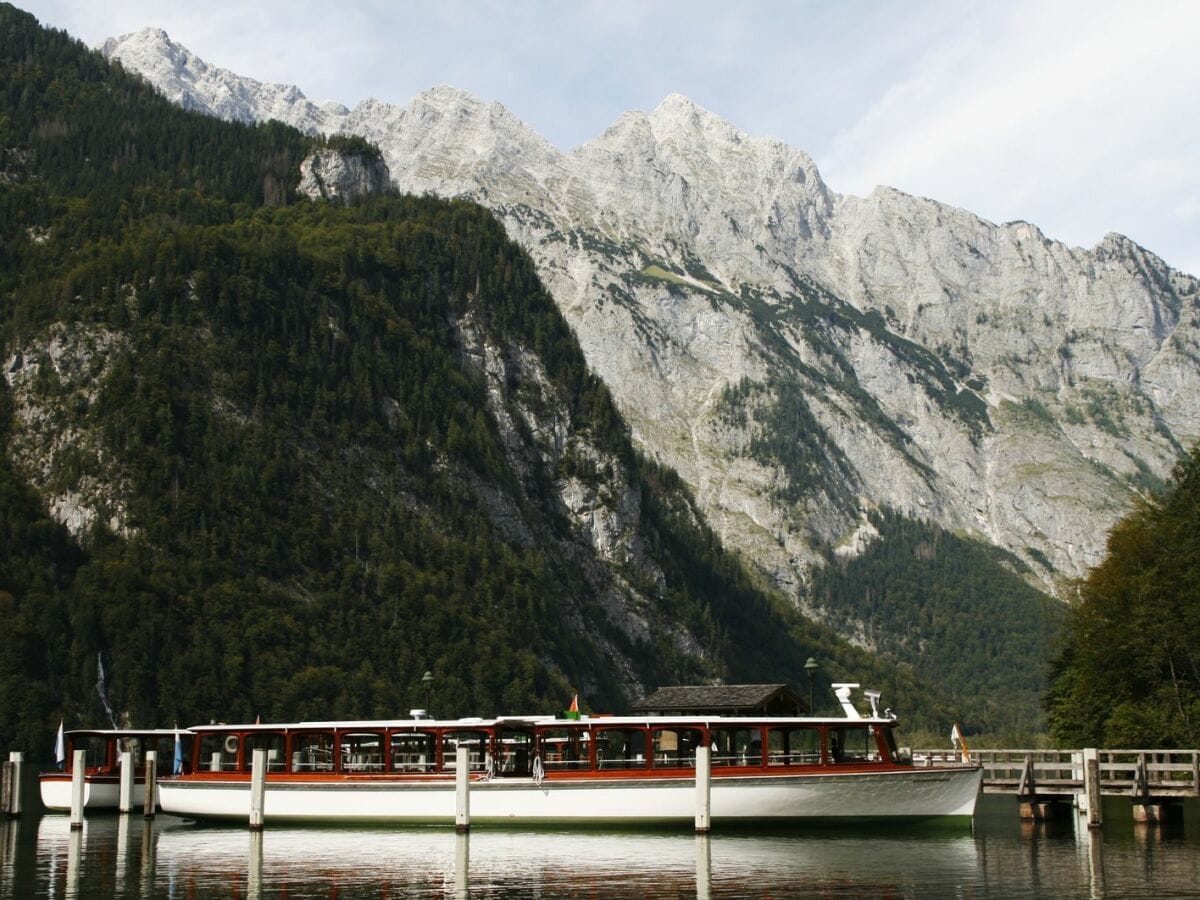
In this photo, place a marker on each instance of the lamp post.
(811, 668)
(427, 680)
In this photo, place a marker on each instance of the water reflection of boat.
(559, 864)
(548, 770)
(102, 777)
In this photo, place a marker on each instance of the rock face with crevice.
(341, 175)
(801, 357)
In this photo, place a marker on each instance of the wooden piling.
(1091, 786)
(150, 788)
(78, 769)
(125, 791)
(462, 790)
(258, 788)
(703, 791)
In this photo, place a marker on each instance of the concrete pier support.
(125, 791)
(151, 787)
(462, 790)
(258, 788)
(703, 791)
(78, 770)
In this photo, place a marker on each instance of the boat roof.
(584, 721)
(128, 732)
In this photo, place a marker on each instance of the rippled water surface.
(999, 857)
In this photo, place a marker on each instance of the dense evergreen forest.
(991, 630)
(1128, 673)
(300, 494)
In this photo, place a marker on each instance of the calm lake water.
(999, 856)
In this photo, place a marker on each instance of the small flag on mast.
(60, 746)
(177, 763)
(573, 709)
(956, 738)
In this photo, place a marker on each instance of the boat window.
(676, 746)
(476, 743)
(218, 751)
(273, 743)
(515, 751)
(96, 748)
(414, 751)
(852, 744)
(131, 745)
(164, 747)
(620, 748)
(312, 751)
(361, 751)
(736, 746)
(564, 748)
(787, 746)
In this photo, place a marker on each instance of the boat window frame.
(750, 760)
(836, 752)
(634, 765)
(411, 767)
(788, 754)
(340, 736)
(222, 738)
(251, 738)
(297, 737)
(579, 737)
(658, 759)
(447, 762)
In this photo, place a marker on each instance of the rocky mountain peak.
(799, 356)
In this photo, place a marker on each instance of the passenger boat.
(600, 770)
(102, 776)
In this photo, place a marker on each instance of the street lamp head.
(427, 678)
(811, 665)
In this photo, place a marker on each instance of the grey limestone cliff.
(801, 357)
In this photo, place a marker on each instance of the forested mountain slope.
(268, 456)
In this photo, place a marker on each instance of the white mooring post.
(151, 787)
(1091, 785)
(258, 788)
(78, 767)
(703, 791)
(15, 761)
(462, 790)
(125, 795)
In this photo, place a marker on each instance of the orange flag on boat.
(573, 709)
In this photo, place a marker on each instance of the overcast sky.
(1081, 117)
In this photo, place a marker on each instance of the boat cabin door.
(514, 752)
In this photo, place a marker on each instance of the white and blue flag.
(177, 765)
(60, 746)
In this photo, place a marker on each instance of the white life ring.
(231, 745)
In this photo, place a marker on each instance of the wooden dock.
(1047, 782)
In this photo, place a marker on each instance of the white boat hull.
(97, 793)
(862, 796)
